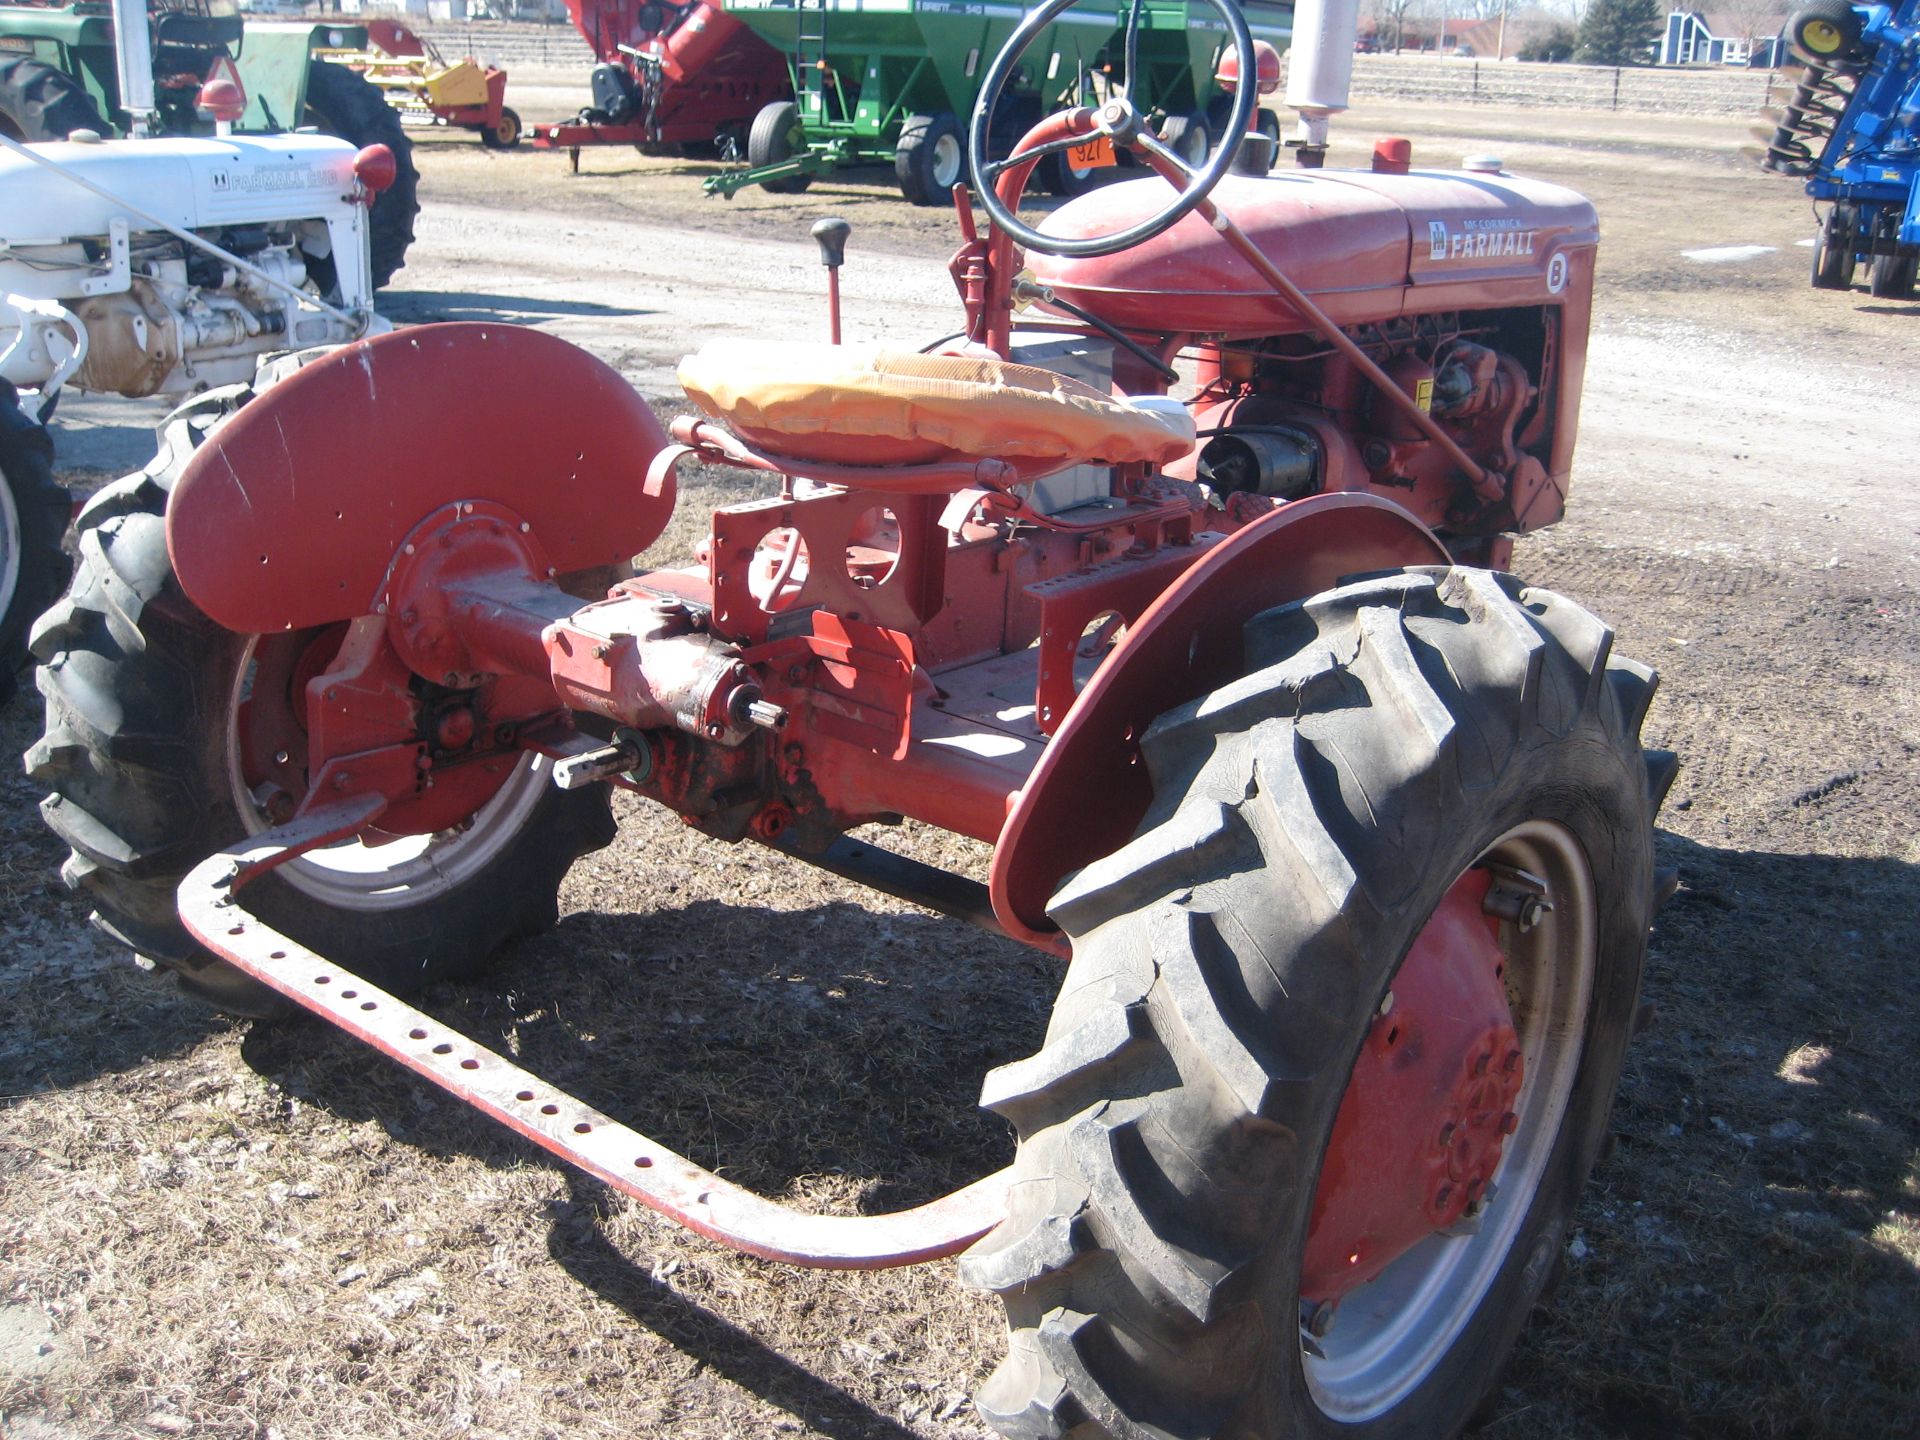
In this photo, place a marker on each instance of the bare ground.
(215, 1229)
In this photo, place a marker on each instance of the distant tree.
(1619, 32)
(1390, 22)
(1557, 44)
(1750, 21)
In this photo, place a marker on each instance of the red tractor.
(1345, 832)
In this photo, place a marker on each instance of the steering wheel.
(1117, 118)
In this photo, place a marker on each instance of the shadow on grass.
(419, 307)
(769, 1046)
(70, 1028)
(1748, 1260)
(580, 1246)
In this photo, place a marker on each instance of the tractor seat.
(870, 405)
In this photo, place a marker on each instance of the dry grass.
(215, 1230)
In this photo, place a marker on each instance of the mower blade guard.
(291, 513)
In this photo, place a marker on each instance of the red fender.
(291, 512)
(1089, 792)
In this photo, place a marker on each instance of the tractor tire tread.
(135, 681)
(44, 102)
(348, 105)
(915, 156)
(40, 507)
(1140, 1224)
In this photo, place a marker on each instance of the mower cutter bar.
(569, 1128)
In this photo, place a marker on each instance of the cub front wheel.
(168, 738)
(1343, 1024)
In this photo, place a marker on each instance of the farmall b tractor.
(1343, 831)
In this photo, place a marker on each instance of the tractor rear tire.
(505, 135)
(1229, 964)
(33, 517)
(778, 135)
(39, 102)
(1833, 250)
(931, 159)
(344, 103)
(141, 756)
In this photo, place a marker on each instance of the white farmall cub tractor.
(159, 267)
(1344, 832)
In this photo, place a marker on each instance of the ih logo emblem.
(1436, 240)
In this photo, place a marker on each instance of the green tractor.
(141, 67)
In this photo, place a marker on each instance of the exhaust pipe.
(1319, 72)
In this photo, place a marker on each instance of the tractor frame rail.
(566, 1127)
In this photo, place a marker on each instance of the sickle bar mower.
(1346, 831)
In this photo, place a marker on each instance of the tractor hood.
(1354, 240)
(189, 183)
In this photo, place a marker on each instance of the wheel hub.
(1429, 1105)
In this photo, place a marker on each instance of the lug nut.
(1321, 1320)
(274, 803)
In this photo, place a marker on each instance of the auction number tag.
(1096, 152)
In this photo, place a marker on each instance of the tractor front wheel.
(33, 517)
(168, 738)
(345, 103)
(1341, 1031)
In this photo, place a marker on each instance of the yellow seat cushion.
(871, 405)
